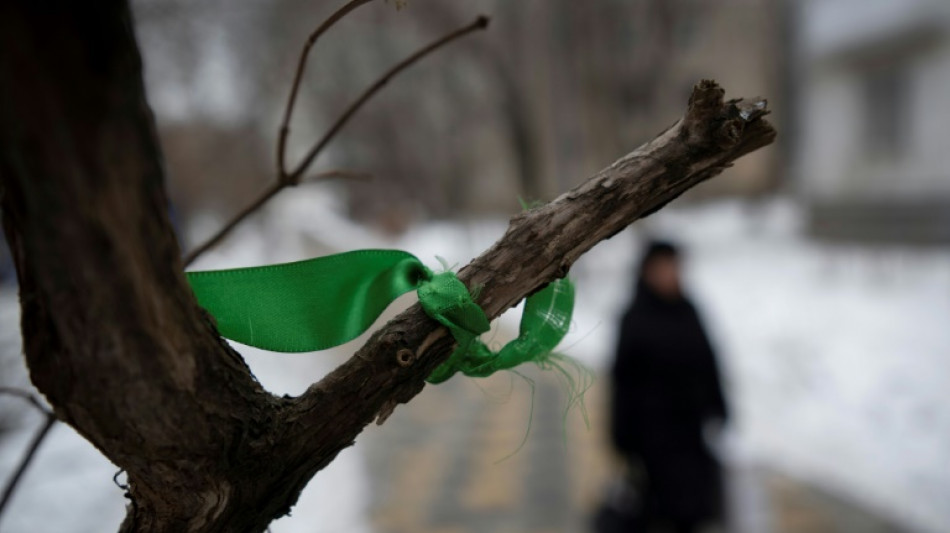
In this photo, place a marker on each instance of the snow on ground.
(837, 357)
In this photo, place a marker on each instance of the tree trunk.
(113, 336)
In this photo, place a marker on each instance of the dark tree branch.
(13, 483)
(293, 178)
(346, 174)
(30, 453)
(229, 226)
(27, 397)
(479, 24)
(113, 336)
(539, 246)
(259, 202)
(284, 131)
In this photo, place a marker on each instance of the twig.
(24, 395)
(347, 174)
(268, 193)
(285, 180)
(298, 77)
(479, 24)
(27, 458)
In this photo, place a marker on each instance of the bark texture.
(114, 338)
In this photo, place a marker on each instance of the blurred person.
(666, 392)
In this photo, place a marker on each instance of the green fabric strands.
(324, 302)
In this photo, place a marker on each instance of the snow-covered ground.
(837, 357)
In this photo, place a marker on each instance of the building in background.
(873, 149)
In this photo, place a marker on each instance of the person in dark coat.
(666, 389)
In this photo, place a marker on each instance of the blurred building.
(873, 155)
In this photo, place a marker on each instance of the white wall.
(837, 39)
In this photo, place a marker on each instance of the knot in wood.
(405, 357)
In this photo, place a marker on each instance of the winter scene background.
(821, 265)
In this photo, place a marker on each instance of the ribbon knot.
(447, 301)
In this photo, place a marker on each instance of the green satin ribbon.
(324, 302)
(306, 305)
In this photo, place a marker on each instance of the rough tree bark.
(114, 338)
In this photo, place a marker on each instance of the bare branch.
(249, 209)
(539, 246)
(27, 458)
(285, 180)
(37, 441)
(339, 173)
(479, 24)
(298, 77)
(32, 399)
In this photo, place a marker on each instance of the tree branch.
(538, 247)
(27, 397)
(229, 226)
(114, 338)
(339, 173)
(30, 453)
(479, 24)
(286, 180)
(284, 131)
(26, 459)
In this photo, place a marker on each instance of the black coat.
(666, 386)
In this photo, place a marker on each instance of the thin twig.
(479, 24)
(298, 77)
(30, 454)
(268, 193)
(339, 173)
(282, 134)
(25, 395)
(27, 459)
(294, 177)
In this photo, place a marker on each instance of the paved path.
(452, 461)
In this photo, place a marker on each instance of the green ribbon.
(310, 305)
(324, 302)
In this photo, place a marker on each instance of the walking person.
(666, 390)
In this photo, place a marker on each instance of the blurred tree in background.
(559, 88)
